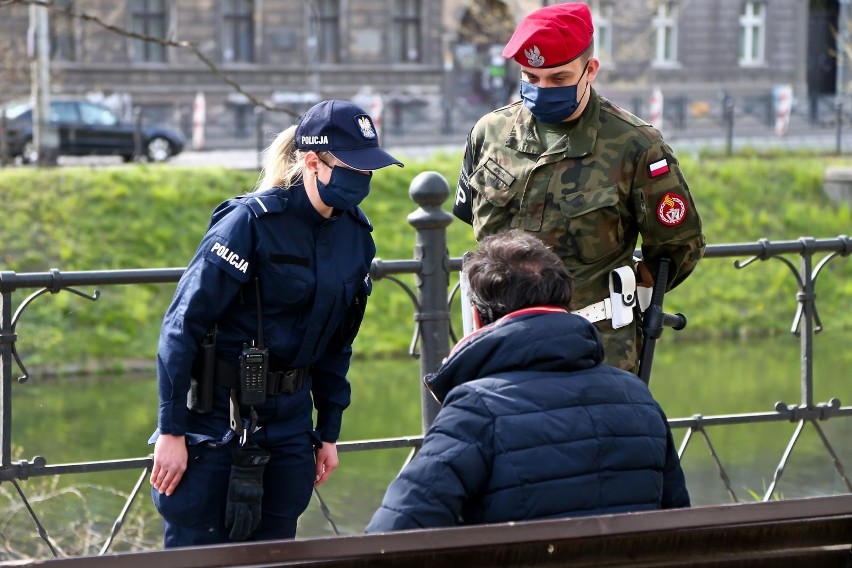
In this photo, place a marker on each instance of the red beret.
(551, 36)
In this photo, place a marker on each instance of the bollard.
(838, 144)
(728, 110)
(4, 146)
(430, 190)
(137, 133)
(258, 132)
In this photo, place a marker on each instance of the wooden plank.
(798, 532)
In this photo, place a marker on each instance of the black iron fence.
(433, 334)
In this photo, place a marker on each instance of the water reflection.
(96, 418)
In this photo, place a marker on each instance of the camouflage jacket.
(589, 196)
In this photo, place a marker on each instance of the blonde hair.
(283, 163)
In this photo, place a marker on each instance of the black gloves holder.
(245, 491)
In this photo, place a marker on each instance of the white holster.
(622, 299)
(622, 294)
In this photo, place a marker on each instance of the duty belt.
(596, 312)
(282, 381)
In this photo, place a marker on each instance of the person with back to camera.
(533, 424)
(261, 327)
(582, 174)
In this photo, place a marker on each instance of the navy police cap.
(345, 130)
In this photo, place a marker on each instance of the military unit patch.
(672, 210)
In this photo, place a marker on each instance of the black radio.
(254, 363)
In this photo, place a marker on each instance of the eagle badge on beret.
(534, 56)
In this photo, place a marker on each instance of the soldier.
(582, 174)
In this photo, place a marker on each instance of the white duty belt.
(622, 299)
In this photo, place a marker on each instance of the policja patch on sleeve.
(229, 244)
(222, 255)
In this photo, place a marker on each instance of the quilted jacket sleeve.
(453, 465)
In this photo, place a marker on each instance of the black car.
(87, 128)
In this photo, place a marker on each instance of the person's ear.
(592, 70)
(477, 318)
(312, 162)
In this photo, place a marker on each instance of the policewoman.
(583, 175)
(260, 331)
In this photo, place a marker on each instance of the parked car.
(87, 128)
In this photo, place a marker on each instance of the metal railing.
(433, 332)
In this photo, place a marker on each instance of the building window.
(602, 17)
(148, 18)
(752, 33)
(406, 31)
(325, 23)
(665, 34)
(62, 44)
(238, 24)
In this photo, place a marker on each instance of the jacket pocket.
(594, 222)
(288, 285)
(493, 183)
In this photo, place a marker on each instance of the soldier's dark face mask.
(345, 188)
(552, 104)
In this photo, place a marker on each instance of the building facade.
(435, 65)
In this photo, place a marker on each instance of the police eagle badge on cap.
(366, 126)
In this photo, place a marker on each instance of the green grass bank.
(141, 216)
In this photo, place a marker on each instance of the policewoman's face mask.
(552, 105)
(345, 188)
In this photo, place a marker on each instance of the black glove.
(245, 491)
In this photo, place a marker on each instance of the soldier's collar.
(524, 136)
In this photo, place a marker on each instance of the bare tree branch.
(160, 41)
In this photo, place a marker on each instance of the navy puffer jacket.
(534, 426)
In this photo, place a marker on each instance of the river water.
(110, 417)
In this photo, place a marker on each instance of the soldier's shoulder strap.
(615, 110)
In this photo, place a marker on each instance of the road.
(683, 144)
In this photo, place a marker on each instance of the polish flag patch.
(672, 210)
(659, 167)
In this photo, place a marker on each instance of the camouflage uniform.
(589, 197)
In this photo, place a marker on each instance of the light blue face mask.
(552, 105)
(345, 188)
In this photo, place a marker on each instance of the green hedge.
(142, 216)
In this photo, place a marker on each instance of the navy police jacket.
(533, 426)
(309, 270)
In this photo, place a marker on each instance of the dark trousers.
(195, 513)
